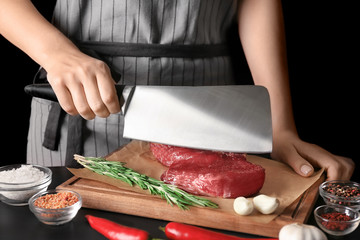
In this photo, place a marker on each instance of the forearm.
(82, 84)
(261, 31)
(26, 28)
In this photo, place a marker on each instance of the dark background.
(322, 57)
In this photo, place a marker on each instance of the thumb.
(301, 166)
(306, 169)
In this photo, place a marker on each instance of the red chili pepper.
(114, 231)
(180, 231)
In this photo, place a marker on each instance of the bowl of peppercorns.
(337, 220)
(341, 193)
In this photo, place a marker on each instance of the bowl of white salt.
(18, 182)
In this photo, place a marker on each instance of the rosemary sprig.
(171, 193)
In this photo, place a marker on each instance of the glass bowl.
(18, 194)
(333, 226)
(55, 216)
(333, 193)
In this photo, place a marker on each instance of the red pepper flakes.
(339, 218)
(56, 201)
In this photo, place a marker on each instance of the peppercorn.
(342, 190)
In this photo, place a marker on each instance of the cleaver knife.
(230, 118)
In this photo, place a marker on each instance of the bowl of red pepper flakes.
(55, 207)
(337, 220)
(343, 193)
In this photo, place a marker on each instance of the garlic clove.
(297, 231)
(265, 204)
(243, 206)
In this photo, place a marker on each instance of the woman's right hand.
(82, 84)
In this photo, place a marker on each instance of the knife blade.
(230, 118)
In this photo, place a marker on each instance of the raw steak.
(209, 173)
(167, 154)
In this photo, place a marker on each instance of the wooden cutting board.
(98, 195)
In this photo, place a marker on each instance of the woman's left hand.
(303, 157)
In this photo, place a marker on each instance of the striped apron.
(144, 42)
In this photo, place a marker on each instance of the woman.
(84, 80)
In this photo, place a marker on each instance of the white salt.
(23, 174)
(25, 177)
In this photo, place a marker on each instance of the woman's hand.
(83, 85)
(260, 20)
(303, 157)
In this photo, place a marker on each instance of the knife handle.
(45, 91)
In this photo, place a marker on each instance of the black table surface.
(18, 222)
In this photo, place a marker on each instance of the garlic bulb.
(265, 204)
(243, 206)
(297, 231)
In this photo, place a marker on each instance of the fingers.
(81, 102)
(337, 167)
(303, 157)
(300, 165)
(87, 89)
(107, 91)
(64, 97)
